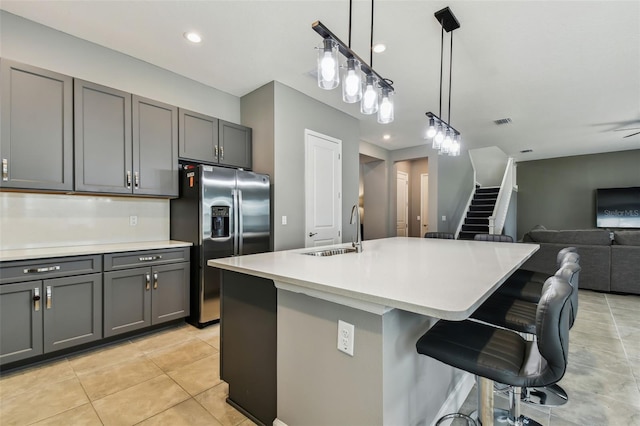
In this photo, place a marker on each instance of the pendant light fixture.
(360, 82)
(445, 138)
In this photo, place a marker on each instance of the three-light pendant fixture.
(446, 139)
(360, 83)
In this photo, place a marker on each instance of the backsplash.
(52, 220)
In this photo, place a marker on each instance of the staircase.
(477, 220)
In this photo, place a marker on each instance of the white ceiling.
(566, 72)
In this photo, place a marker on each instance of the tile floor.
(172, 377)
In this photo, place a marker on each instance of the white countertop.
(44, 252)
(445, 279)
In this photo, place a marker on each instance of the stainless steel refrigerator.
(223, 212)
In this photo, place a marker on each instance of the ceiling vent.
(525, 151)
(502, 121)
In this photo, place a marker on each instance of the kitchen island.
(392, 292)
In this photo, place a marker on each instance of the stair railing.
(499, 215)
(466, 210)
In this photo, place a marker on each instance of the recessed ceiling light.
(386, 137)
(193, 37)
(379, 48)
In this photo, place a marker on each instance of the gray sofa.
(610, 260)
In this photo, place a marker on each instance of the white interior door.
(403, 204)
(424, 204)
(323, 186)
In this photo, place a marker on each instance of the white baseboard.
(278, 422)
(456, 398)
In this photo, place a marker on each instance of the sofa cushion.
(625, 269)
(627, 238)
(600, 237)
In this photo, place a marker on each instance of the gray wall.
(280, 147)
(28, 42)
(455, 185)
(490, 164)
(559, 193)
(375, 182)
(414, 168)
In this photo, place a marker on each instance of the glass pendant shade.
(439, 137)
(431, 132)
(369, 102)
(385, 110)
(446, 143)
(328, 75)
(351, 81)
(455, 147)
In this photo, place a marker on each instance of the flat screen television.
(618, 207)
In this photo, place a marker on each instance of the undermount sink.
(330, 252)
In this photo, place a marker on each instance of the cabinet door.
(36, 144)
(102, 139)
(198, 137)
(155, 148)
(235, 145)
(72, 309)
(20, 321)
(170, 298)
(127, 300)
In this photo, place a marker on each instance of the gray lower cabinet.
(124, 144)
(36, 136)
(137, 296)
(39, 316)
(206, 139)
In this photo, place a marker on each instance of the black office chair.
(503, 355)
(440, 235)
(498, 238)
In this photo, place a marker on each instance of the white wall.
(41, 220)
(490, 164)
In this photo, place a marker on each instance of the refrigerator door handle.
(240, 223)
(234, 195)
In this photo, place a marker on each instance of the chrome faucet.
(358, 243)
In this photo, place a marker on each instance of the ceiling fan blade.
(632, 134)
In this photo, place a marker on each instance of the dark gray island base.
(248, 340)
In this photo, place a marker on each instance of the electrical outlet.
(444, 218)
(346, 334)
(284, 220)
(133, 220)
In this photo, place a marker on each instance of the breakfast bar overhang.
(392, 292)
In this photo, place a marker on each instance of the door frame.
(424, 199)
(406, 203)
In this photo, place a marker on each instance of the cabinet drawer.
(132, 259)
(26, 270)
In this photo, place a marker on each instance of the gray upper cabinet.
(124, 144)
(155, 148)
(206, 139)
(198, 137)
(103, 147)
(36, 145)
(235, 145)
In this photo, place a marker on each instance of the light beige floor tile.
(139, 402)
(188, 413)
(214, 402)
(164, 338)
(595, 341)
(606, 328)
(102, 357)
(184, 353)
(603, 316)
(84, 415)
(593, 305)
(41, 402)
(99, 383)
(199, 375)
(586, 408)
(12, 384)
(626, 301)
(211, 335)
(591, 294)
(248, 423)
(605, 361)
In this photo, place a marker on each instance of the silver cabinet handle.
(5, 169)
(311, 234)
(43, 269)
(49, 297)
(149, 258)
(222, 152)
(215, 151)
(148, 282)
(128, 178)
(136, 179)
(155, 280)
(36, 299)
